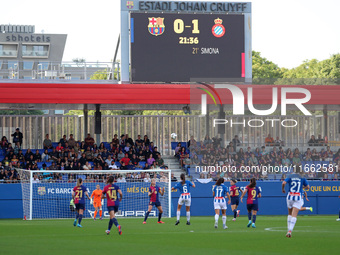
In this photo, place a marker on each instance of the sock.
(100, 213)
(80, 218)
(110, 224)
(178, 215)
(292, 223)
(77, 216)
(289, 218)
(216, 217)
(95, 214)
(224, 220)
(159, 216)
(254, 219)
(235, 213)
(115, 221)
(146, 216)
(307, 208)
(249, 216)
(188, 216)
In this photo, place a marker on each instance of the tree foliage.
(21, 112)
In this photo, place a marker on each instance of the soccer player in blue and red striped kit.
(78, 196)
(252, 201)
(154, 192)
(111, 192)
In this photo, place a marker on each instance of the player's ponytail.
(252, 183)
(79, 182)
(219, 181)
(183, 178)
(110, 180)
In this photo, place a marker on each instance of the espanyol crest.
(218, 30)
(41, 191)
(156, 26)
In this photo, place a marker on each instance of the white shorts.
(297, 204)
(184, 199)
(220, 204)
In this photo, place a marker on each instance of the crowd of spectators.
(68, 154)
(314, 163)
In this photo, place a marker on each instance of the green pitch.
(312, 235)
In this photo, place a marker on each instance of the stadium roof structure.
(67, 96)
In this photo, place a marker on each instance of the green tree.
(21, 112)
(265, 71)
(314, 72)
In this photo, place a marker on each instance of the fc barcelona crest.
(41, 191)
(156, 26)
(129, 4)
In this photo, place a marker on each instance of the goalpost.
(50, 197)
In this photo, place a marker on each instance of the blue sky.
(285, 32)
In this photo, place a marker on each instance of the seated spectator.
(17, 136)
(37, 156)
(263, 151)
(285, 161)
(173, 177)
(114, 143)
(147, 178)
(253, 161)
(150, 160)
(269, 141)
(120, 155)
(45, 157)
(125, 160)
(59, 147)
(87, 166)
(312, 141)
(278, 142)
(89, 141)
(121, 178)
(146, 140)
(113, 166)
(128, 140)
(191, 141)
(28, 154)
(138, 141)
(296, 160)
(17, 147)
(62, 141)
(89, 154)
(155, 153)
(329, 154)
(320, 141)
(4, 143)
(315, 155)
(146, 167)
(98, 167)
(47, 143)
(71, 141)
(164, 178)
(183, 155)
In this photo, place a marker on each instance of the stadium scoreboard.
(187, 41)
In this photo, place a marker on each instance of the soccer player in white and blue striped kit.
(219, 193)
(185, 197)
(294, 198)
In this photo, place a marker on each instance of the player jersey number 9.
(79, 194)
(112, 194)
(295, 186)
(253, 194)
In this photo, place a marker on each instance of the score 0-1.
(179, 29)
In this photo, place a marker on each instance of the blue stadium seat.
(117, 163)
(106, 145)
(55, 144)
(142, 163)
(174, 145)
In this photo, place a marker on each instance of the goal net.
(49, 194)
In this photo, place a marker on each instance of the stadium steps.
(174, 165)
